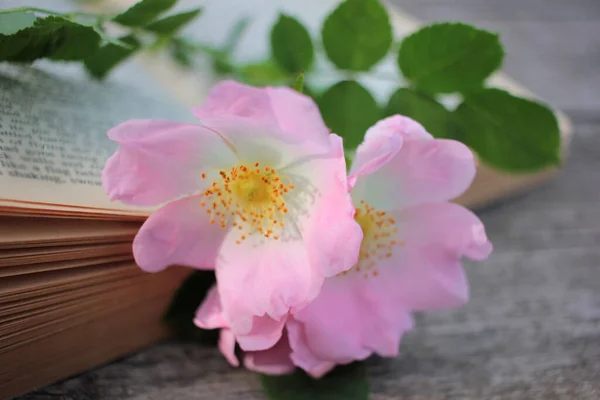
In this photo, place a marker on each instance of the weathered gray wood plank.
(532, 328)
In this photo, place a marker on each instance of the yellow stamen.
(250, 197)
(377, 245)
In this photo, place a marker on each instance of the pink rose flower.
(258, 190)
(275, 360)
(401, 182)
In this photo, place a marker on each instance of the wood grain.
(532, 327)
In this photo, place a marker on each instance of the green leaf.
(221, 63)
(181, 51)
(508, 132)
(15, 21)
(208, 49)
(434, 117)
(144, 12)
(171, 24)
(235, 35)
(182, 309)
(309, 91)
(343, 383)
(109, 56)
(450, 57)
(291, 45)
(357, 34)
(50, 37)
(262, 73)
(298, 85)
(349, 110)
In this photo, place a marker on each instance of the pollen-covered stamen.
(249, 197)
(379, 239)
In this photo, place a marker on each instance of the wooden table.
(532, 328)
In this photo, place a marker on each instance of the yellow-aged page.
(53, 142)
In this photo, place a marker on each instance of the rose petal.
(350, 321)
(298, 115)
(179, 233)
(273, 361)
(159, 161)
(380, 145)
(301, 354)
(332, 237)
(210, 313)
(294, 115)
(265, 332)
(399, 164)
(264, 277)
(422, 171)
(262, 332)
(236, 99)
(425, 273)
(406, 127)
(227, 346)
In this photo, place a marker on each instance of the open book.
(71, 296)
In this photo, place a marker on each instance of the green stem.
(212, 52)
(86, 14)
(50, 12)
(23, 9)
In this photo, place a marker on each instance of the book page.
(53, 124)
